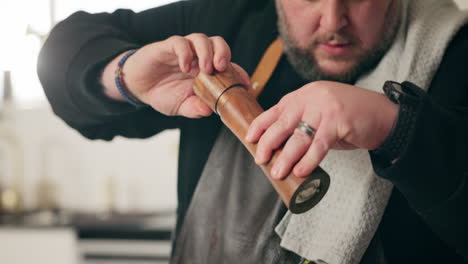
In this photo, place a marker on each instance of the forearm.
(70, 64)
(74, 57)
(432, 170)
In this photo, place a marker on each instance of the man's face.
(336, 39)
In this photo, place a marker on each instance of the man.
(227, 209)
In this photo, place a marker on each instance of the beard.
(306, 65)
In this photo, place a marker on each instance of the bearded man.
(397, 160)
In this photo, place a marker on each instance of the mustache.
(334, 37)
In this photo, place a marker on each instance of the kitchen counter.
(93, 238)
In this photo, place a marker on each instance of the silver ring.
(304, 127)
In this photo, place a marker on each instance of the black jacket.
(427, 216)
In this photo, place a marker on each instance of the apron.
(233, 212)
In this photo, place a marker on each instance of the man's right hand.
(161, 74)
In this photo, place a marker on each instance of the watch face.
(393, 90)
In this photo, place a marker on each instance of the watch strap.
(393, 147)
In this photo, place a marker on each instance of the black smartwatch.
(409, 97)
(403, 93)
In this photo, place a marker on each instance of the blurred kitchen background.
(65, 199)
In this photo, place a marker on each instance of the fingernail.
(222, 64)
(208, 67)
(260, 159)
(186, 68)
(249, 136)
(257, 160)
(275, 171)
(299, 171)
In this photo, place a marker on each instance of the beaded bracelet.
(121, 85)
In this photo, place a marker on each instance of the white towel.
(339, 229)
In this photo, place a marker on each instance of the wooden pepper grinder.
(237, 107)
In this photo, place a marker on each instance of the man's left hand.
(343, 116)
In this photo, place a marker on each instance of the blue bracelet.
(121, 85)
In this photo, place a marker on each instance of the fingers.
(261, 123)
(213, 53)
(222, 53)
(183, 51)
(203, 49)
(293, 150)
(193, 53)
(275, 135)
(323, 141)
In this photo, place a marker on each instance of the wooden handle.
(237, 107)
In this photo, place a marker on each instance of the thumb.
(194, 107)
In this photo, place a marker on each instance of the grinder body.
(237, 108)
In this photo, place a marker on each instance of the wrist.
(407, 97)
(388, 116)
(120, 82)
(107, 79)
(114, 81)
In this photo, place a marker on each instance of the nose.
(334, 15)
